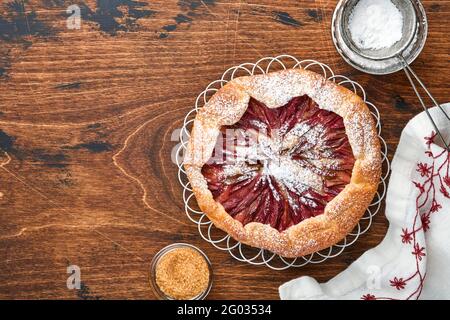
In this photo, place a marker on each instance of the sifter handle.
(410, 74)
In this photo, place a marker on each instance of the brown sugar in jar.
(182, 273)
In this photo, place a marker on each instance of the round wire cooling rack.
(223, 241)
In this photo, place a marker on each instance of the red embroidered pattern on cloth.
(435, 179)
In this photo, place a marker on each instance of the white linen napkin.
(413, 260)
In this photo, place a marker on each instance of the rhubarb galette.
(287, 161)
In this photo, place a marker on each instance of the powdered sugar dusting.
(284, 144)
(280, 166)
(277, 91)
(234, 185)
(274, 153)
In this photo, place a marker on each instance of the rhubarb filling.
(280, 166)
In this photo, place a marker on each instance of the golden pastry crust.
(275, 89)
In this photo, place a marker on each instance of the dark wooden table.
(86, 118)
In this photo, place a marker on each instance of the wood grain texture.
(86, 119)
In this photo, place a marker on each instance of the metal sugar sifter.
(394, 58)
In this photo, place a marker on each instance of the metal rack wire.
(224, 242)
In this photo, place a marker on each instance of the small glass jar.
(158, 292)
